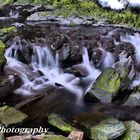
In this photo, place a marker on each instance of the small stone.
(10, 116)
(58, 122)
(76, 135)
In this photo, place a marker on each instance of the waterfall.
(44, 62)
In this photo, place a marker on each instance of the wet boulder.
(107, 129)
(2, 58)
(10, 116)
(57, 121)
(8, 85)
(132, 131)
(70, 55)
(106, 86)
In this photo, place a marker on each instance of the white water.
(119, 4)
(42, 60)
(108, 59)
(135, 41)
(114, 4)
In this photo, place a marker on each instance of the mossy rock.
(132, 131)
(58, 122)
(106, 86)
(55, 137)
(106, 130)
(7, 30)
(108, 81)
(10, 116)
(2, 58)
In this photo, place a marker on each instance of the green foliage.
(5, 2)
(68, 8)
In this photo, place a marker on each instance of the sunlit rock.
(58, 122)
(106, 86)
(132, 131)
(10, 116)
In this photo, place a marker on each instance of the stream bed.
(51, 68)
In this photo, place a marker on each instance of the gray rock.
(69, 21)
(106, 86)
(11, 116)
(133, 99)
(107, 130)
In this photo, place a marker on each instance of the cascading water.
(135, 41)
(43, 62)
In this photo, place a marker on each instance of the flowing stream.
(45, 70)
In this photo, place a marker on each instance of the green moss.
(58, 122)
(2, 58)
(108, 81)
(68, 8)
(8, 29)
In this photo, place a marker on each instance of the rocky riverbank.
(66, 69)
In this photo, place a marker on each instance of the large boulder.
(106, 86)
(132, 131)
(8, 84)
(107, 130)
